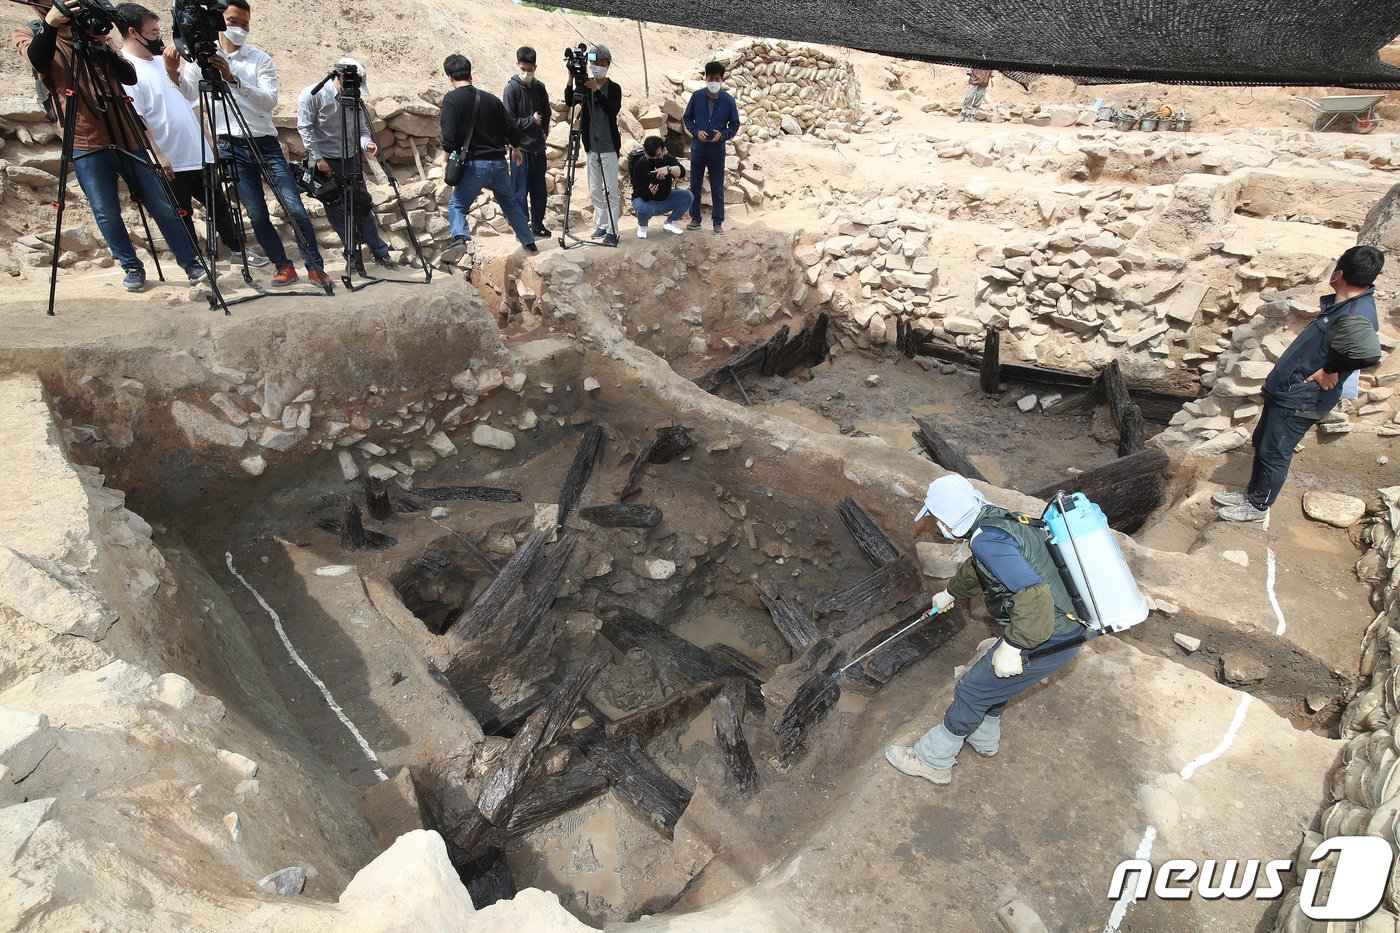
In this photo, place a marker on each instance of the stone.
(228, 408)
(872, 380)
(789, 125)
(1026, 403)
(488, 381)
(1061, 115)
(349, 469)
(241, 765)
(1016, 916)
(234, 826)
(412, 885)
(254, 465)
(961, 325)
(591, 385)
(442, 445)
(1241, 670)
(278, 390)
(439, 512)
(546, 517)
(1236, 557)
(285, 883)
(483, 435)
(465, 382)
(939, 561)
(25, 738)
(54, 595)
(31, 177)
(1191, 645)
(657, 568)
(1332, 508)
(204, 430)
(381, 472)
(17, 825)
(1223, 442)
(174, 691)
(142, 584)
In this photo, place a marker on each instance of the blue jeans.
(528, 181)
(491, 174)
(366, 230)
(675, 204)
(97, 171)
(250, 192)
(711, 161)
(1275, 438)
(982, 693)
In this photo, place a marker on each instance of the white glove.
(943, 601)
(1006, 659)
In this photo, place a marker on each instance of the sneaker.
(358, 266)
(719, 229)
(906, 762)
(319, 278)
(1229, 499)
(286, 275)
(386, 261)
(641, 231)
(598, 234)
(459, 241)
(1244, 513)
(197, 273)
(530, 247)
(541, 233)
(670, 227)
(135, 280)
(610, 239)
(693, 225)
(251, 256)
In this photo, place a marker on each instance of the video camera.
(576, 60)
(95, 17)
(197, 27)
(350, 80)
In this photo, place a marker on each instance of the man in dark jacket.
(1012, 569)
(1308, 379)
(712, 119)
(653, 191)
(474, 123)
(600, 101)
(527, 106)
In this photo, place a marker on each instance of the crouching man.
(653, 188)
(1012, 569)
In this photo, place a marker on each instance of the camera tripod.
(571, 171)
(91, 82)
(351, 178)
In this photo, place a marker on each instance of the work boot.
(286, 275)
(906, 762)
(939, 748)
(598, 233)
(986, 738)
(694, 224)
(1229, 499)
(610, 239)
(318, 277)
(1244, 513)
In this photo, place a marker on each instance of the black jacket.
(609, 98)
(493, 130)
(643, 179)
(522, 102)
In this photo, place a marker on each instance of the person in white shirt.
(252, 81)
(181, 146)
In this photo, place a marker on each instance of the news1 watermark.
(1359, 878)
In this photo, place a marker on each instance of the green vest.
(1031, 540)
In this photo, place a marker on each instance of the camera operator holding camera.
(319, 121)
(104, 149)
(252, 80)
(174, 129)
(601, 101)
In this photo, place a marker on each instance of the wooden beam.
(670, 442)
(475, 493)
(872, 541)
(943, 453)
(541, 586)
(731, 744)
(755, 358)
(807, 349)
(641, 786)
(648, 721)
(621, 515)
(1126, 414)
(556, 795)
(352, 529)
(493, 600)
(880, 591)
(810, 705)
(1128, 490)
(377, 499)
(626, 629)
(794, 624)
(990, 373)
(585, 458)
(885, 664)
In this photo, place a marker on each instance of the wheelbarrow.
(1357, 109)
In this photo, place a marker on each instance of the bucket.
(1185, 124)
(1124, 121)
(1149, 124)
(1105, 113)
(1096, 566)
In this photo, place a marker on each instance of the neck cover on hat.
(952, 500)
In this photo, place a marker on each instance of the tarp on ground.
(1329, 43)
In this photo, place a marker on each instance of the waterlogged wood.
(990, 373)
(585, 458)
(622, 516)
(810, 705)
(374, 539)
(943, 453)
(871, 540)
(626, 629)
(377, 499)
(731, 744)
(352, 529)
(648, 721)
(504, 784)
(641, 786)
(792, 622)
(487, 878)
(807, 349)
(879, 592)
(540, 588)
(475, 493)
(489, 604)
(885, 664)
(507, 721)
(556, 795)
(1128, 490)
(757, 358)
(732, 655)
(1126, 414)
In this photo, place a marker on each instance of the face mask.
(946, 532)
(235, 35)
(154, 46)
(528, 77)
(713, 87)
(599, 71)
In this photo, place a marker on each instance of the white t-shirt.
(170, 118)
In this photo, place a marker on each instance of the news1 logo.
(1358, 882)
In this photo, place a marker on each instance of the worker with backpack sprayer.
(1031, 573)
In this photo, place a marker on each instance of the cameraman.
(601, 101)
(179, 142)
(103, 147)
(252, 82)
(320, 118)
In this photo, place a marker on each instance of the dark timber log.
(585, 458)
(377, 498)
(794, 624)
(804, 351)
(540, 588)
(810, 704)
(374, 539)
(648, 721)
(882, 666)
(1127, 416)
(488, 606)
(556, 795)
(873, 543)
(732, 655)
(403, 505)
(477, 493)
(730, 741)
(757, 358)
(991, 362)
(639, 783)
(690, 663)
(622, 516)
(669, 443)
(879, 592)
(508, 721)
(1128, 489)
(352, 529)
(943, 453)
(487, 878)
